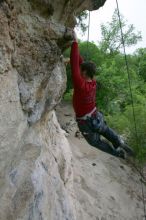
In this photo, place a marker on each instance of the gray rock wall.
(32, 38)
(36, 177)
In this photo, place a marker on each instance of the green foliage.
(81, 21)
(68, 96)
(111, 34)
(141, 62)
(123, 122)
(136, 136)
(89, 51)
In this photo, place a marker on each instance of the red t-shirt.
(84, 97)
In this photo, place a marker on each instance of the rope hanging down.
(132, 102)
(88, 35)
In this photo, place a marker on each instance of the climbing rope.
(88, 35)
(132, 102)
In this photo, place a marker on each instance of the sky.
(134, 12)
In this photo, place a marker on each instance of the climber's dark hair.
(89, 68)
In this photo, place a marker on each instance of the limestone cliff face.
(36, 177)
(32, 37)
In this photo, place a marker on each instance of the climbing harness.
(132, 103)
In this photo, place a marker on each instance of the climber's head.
(88, 70)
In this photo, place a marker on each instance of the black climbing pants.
(93, 128)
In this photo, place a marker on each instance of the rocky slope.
(106, 188)
(36, 161)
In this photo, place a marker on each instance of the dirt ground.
(107, 188)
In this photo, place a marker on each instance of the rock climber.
(90, 120)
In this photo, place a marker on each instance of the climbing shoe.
(128, 149)
(121, 153)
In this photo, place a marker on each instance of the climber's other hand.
(66, 61)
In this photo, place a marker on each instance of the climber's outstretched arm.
(76, 60)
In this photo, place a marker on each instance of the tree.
(81, 24)
(111, 34)
(141, 61)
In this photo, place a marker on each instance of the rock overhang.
(35, 29)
